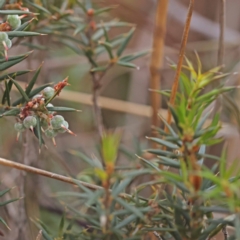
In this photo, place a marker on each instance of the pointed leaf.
(11, 112)
(22, 92)
(125, 42)
(13, 74)
(62, 109)
(131, 57)
(163, 143)
(127, 64)
(22, 34)
(15, 12)
(33, 81)
(105, 9)
(8, 64)
(33, 93)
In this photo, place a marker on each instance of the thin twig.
(26, 168)
(96, 107)
(157, 57)
(222, 32)
(180, 59)
(220, 60)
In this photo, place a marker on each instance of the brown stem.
(157, 57)
(96, 107)
(180, 59)
(222, 31)
(26, 168)
(220, 60)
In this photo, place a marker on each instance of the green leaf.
(81, 6)
(114, 24)
(4, 192)
(110, 143)
(4, 223)
(13, 34)
(33, 93)
(83, 157)
(13, 74)
(126, 221)
(15, 12)
(61, 226)
(130, 208)
(121, 187)
(22, 92)
(11, 112)
(7, 64)
(62, 109)
(3, 60)
(37, 6)
(98, 69)
(169, 162)
(131, 57)
(151, 164)
(9, 201)
(162, 153)
(127, 64)
(125, 42)
(35, 46)
(102, 10)
(38, 132)
(108, 48)
(79, 29)
(33, 81)
(163, 143)
(70, 45)
(98, 34)
(44, 232)
(6, 94)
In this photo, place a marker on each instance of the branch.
(96, 107)
(222, 32)
(180, 59)
(157, 58)
(220, 60)
(23, 167)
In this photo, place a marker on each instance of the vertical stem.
(96, 107)
(157, 57)
(220, 60)
(180, 59)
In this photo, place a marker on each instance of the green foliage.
(2, 193)
(182, 202)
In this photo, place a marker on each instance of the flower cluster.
(38, 109)
(12, 23)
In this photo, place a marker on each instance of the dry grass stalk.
(157, 57)
(180, 59)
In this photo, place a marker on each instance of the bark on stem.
(180, 59)
(96, 107)
(157, 58)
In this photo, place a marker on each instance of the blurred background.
(125, 96)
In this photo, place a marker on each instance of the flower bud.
(57, 121)
(50, 133)
(50, 105)
(30, 122)
(63, 128)
(37, 96)
(3, 36)
(48, 92)
(44, 123)
(14, 21)
(19, 127)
